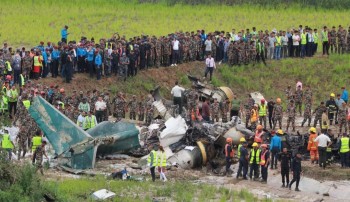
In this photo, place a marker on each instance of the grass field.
(81, 190)
(26, 22)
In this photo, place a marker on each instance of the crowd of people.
(124, 57)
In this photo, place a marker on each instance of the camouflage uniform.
(342, 115)
(39, 156)
(107, 62)
(158, 53)
(214, 108)
(118, 108)
(92, 102)
(224, 111)
(142, 107)
(230, 54)
(298, 99)
(133, 109)
(248, 107)
(341, 41)
(277, 115)
(193, 48)
(307, 114)
(108, 106)
(186, 50)
(319, 111)
(252, 53)
(166, 52)
(22, 140)
(149, 113)
(333, 40)
(308, 96)
(291, 116)
(192, 102)
(27, 66)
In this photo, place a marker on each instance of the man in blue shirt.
(345, 95)
(90, 60)
(98, 64)
(275, 147)
(81, 53)
(55, 56)
(64, 34)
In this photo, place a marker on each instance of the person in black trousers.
(296, 169)
(285, 159)
(243, 161)
(270, 106)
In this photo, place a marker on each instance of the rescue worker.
(285, 159)
(312, 145)
(325, 121)
(296, 170)
(90, 121)
(263, 113)
(332, 108)
(329, 148)
(22, 138)
(277, 114)
(323, 141)
(344, 151)
(254, 117)
(36, 140)
(254, 161)
(228, 154)
(243, 161)
(152, 161)
(12, 96)
(259, 133)
(38, 155)
(161, 162)
(7, 144)
(241, 141)
(275, 147)
(264, 162)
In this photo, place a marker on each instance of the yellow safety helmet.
(280, 132)
(332, 95)
(312, 130)
(242, 139)
(255, 144)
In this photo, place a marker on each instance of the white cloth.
(210, 62)
(176, 45)
(296, 40)
(100, 105)
(322, 140)
(80, 121)
(177, 91)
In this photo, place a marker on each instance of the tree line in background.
(326, 4)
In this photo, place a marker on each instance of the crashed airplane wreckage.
(75, 147)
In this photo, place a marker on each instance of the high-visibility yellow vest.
(315, 35)
(254, 117)
(89, 122)
(149, 160)
(303, 39)
(8, 66)
(255, 155)
(324, 36)
(239, 151)
(161, 159)
(36, 142)
(262, 110)
(22, 79)
(36, 61)
(26, 103)
(344, 147)
(14, 95)
(278, 41)
(6, 142)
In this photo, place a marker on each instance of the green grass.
(81, 190)
(28, 22)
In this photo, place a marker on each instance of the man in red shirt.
(206, 110)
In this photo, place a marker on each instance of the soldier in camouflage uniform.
(93, 99)
(149, 113)
(186, 50)
(341, 40)
(241, 52)
(214, 110)
(107, 62)
(133, 108)
(38, 157)
(291, 115)
(298, 99)
(108, 110)
(192, 102)
(193, 49)
(22, 139)
(333, 39)
(225, 108)
(119, 106)
(142, 105)
(342, 115)
(230, 53)
(27, 65)
(318, 113)
(166, 51)
(252, 52)
(277, 114)
(348, 41)
(248, 107)
(158, 52)
(289, 93)
(307, 114)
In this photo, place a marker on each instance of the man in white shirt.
(210, 66)
(296, 48)
(177, 95)
(81, 119)
(208, 44)
(175, 55)
(100, 107)
(323, 142)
